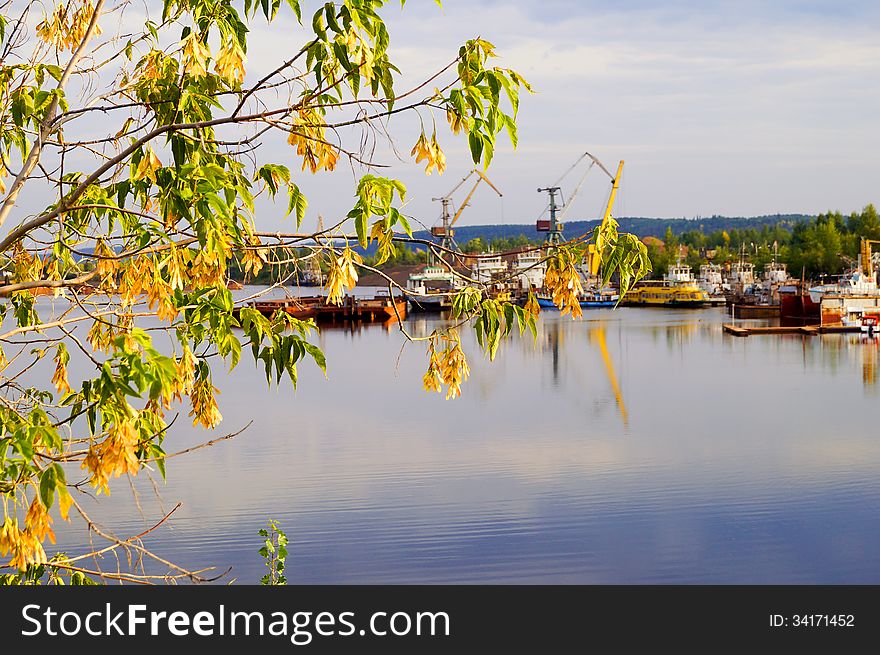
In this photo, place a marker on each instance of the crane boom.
(593, 253)
(481, 178)
(487, 181)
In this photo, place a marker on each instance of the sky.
(733, 108)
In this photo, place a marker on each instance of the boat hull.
(378, 309)
(547, 303)
(798, 306)
(429, 303)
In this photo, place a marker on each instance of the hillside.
(640, 226)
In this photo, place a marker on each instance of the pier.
(740, 331)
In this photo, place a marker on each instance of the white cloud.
(717, 107)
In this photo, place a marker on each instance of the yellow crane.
(445, 231)
(594, 257)
(865, 256)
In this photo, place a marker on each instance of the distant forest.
(641, 227)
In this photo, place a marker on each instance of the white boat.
(488, 268)
(432, 289)
(774, 273)
(710, 278)
(742, 276)
(854, 284)
(712, 282)
(530, 270)
(680, 274)
(858, 317)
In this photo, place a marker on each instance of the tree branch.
(46, 127)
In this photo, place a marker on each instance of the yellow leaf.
(195, 56)
(430, 152)
(307, 134)
(147, 167)
(230, 63)
(343, 275)
(64, 502)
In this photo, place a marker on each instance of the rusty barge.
(379, 309)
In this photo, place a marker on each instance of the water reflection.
(866, 347)
(731, 461)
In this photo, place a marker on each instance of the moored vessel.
(678, 288)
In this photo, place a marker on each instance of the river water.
(630, 446)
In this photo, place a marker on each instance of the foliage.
(274, 552)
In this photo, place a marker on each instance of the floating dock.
(754, 311)
(809, 330)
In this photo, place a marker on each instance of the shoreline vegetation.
(814, 246)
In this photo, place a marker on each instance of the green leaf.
(360, 223)
(317, 355)
(476, 143)
(297, 11)
(510, 124)
(48, 482)
(297, 202)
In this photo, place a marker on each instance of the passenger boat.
(677, 289)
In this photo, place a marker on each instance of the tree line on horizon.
(826, 244)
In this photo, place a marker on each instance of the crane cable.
(576, 190)
(570, 169)
(580, 184)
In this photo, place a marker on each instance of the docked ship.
(749, 297)
(432, 288)
(677, 289)
(606, 297)
(529, 270)
(796, 304)
(379, 308)
(740, 281)
(854, 296)
(712, 282)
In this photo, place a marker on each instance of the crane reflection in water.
(596, 333)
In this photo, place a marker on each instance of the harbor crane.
(594, 257)
(445, 232)
(866, 257)
(554, 226)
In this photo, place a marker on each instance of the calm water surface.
(630, 446)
